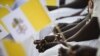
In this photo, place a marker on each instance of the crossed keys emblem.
(19, 25)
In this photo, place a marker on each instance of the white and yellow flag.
(18, 25)
(26, 20)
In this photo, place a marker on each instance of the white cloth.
(69, 19)
(63, 12)
(84, 11)
(92, 43)
(98, 53)
(30, 47)
(45, 32)
(69, 1)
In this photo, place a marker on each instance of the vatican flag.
(36, 14)
(12, 48)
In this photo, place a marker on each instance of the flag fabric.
(7, 2)
(36, 14)
(12, 48)
(22, 23)
(18, 25)
(3, 32)
(3, 12)
(5, 6)
(51, 2)
(27, 20)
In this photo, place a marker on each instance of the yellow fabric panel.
(13, 49)
(51, 2)
(3, 12)
(9, 2)
(36, 14)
